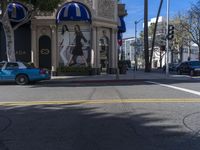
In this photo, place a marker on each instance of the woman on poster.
(64, 44)
(104, 51)
(77, 50)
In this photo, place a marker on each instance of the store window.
(74, 44)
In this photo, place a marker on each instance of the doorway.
(45, 52)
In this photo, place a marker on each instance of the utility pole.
(146, 40)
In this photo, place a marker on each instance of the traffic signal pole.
(146, 40)
(167, 41)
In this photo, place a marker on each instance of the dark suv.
(172, 67)
(189, 67)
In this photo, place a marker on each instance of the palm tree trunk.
(154, 33)
(146, 40)
(160, 59)
(9, 34)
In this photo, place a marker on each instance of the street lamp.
(136, 22)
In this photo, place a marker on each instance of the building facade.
(133, 51)
(128, 50)
(81, 33)
(175, 56)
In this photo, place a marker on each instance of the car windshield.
(1, 65)
(194, 63)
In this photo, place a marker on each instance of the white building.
(191, 53)
(159, 57)
(133, 51)
(128, 50)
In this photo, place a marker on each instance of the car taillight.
(42, 71)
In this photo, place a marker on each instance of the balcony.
(122, 10)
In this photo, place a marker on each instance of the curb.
(100, 81)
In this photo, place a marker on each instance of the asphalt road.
(140, 115)
(61, 90)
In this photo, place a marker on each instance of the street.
(140, 115)
(99, 75)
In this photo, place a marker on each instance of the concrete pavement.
(130, 76)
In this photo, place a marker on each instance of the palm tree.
(154, 33)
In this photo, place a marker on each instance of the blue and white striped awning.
(121, 25)
(16, 12)
(73, 11)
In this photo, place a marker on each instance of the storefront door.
(45, 52)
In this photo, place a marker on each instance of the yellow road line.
(105, 101)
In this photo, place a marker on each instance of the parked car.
(172, 67)
(189, 67)
(21, 73)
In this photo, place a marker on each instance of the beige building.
(79, 33)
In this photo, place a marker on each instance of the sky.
(135, 9)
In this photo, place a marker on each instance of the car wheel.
(22, 80)
(192, 73)
(179, 72)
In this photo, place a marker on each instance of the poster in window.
(74, 45)
(104, 46)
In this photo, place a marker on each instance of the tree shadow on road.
(88, 127)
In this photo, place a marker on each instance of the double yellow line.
(103, 101)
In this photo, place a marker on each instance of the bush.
(74, 70)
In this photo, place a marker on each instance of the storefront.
(81, 33)
(22, 34)
(74, 35)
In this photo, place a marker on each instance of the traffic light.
(170, 34)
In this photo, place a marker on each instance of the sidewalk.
(130, 76)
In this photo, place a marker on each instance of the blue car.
(21, 73)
